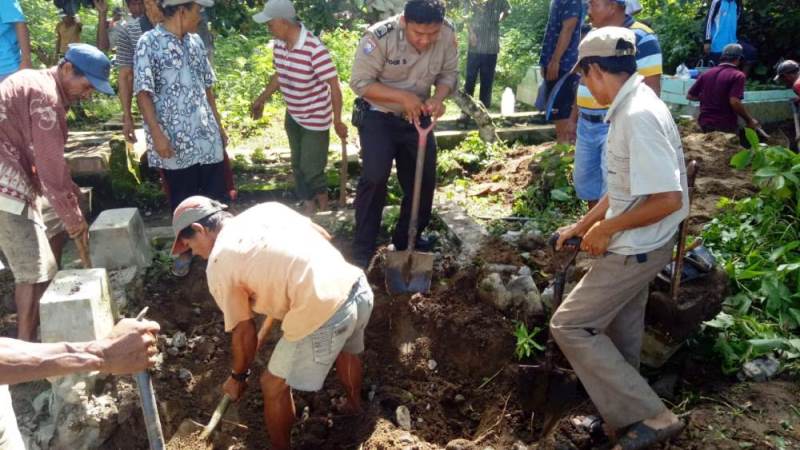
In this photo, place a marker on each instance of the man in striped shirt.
(307, 78)
(592, 129)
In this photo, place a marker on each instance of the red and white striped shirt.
(302, 72)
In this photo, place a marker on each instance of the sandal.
(640, 436)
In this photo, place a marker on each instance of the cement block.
(117, 240)
(89, 161)
(77, 307)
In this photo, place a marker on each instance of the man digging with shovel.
(631, 232)
(271, 260)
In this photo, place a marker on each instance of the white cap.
(276, 9)
(203, 3)
(632, 7)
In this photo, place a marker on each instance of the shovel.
(189, 427)
(407, 271)
(152, 422)
(343, 177)
(552, 389)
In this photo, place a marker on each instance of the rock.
(519, 446)
(42, 401)
(524, 271)
(492, 290)
(405, 438)
(403, 416)
(665, 386)
(531, 240)
(179, 340)
(525, 295)
(460, 444)
(432, 364)
(172, 351)
(500, 268)
(760, 369)
(511, 236)
(547, 297)
(185, 375)
(459, 399)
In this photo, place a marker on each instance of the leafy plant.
(471, 156)
(526, 342)
(757, 242)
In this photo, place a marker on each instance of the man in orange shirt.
(271, 260)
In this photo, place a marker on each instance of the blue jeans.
(589, 172)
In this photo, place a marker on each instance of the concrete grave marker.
(77, 307)
(117, 239)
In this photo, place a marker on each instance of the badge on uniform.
(369, 46)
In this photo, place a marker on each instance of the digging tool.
(552, 388)
(155, 436)
(407, 271)
(662, 298)
(189, 427)
(343, 177)
(82, 243)
(796, 114)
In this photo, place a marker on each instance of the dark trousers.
(199, 179)
(483, 64)
(386, 138)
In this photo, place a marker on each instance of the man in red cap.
(271, 260)
(33, 131)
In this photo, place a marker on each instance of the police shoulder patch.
(368, 47)
(383, 30)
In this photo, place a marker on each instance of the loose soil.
(447, 356)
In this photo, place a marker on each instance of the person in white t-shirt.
(631, 232)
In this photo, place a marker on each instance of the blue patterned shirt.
(176, 73)
(561, 10)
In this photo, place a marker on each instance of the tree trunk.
(479, 114)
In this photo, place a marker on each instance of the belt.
(387, 113)
(594, 118)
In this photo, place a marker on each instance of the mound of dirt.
(716, 178)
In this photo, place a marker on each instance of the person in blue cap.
(33, 132)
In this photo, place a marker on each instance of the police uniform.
(385, 56)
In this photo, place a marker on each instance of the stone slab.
(118, 240)
(465, 231)
(89, 160)
(77, 307)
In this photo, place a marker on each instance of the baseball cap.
(733, 51)
(784, 67)
(93, 63)
(604, 42)
(276, 9)
(188, 212)
(203, 3)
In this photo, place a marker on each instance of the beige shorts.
(26, 248)
(51, 220)
(10, 439)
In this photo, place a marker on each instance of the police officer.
(397, 63)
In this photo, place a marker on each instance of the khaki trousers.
(599, 328)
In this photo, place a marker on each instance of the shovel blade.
(408, 272)
(185, 431)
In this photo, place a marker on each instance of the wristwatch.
(240, 377)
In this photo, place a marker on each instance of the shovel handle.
(147, 395)
(223, 404)
(343, 177)
(82, 243)
(216, 417)
(574, 241)
(421, 147)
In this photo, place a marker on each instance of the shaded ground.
(447, 357)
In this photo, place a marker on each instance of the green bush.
(757, 241)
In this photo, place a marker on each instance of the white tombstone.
(77, 307)
(117, 240)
